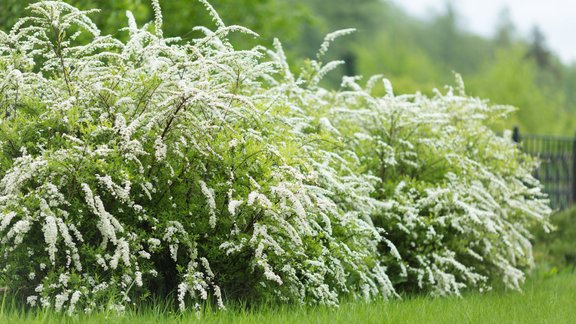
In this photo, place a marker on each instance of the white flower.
(60, 300)
(182, 290)
(211, 201)
(101, 262)
(50, 230)
(233, 206)
(6, 218)
(73, 300)
(153, 243)
(160, 149)
(173, 251)
(31, 300)
(63, 279)
(138, 278)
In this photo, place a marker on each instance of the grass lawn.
(546, 299)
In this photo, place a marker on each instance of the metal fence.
(558, 165)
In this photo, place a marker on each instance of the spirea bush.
(460, 199)
(158, 166)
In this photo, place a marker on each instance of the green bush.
(156, 165)
(557, 249)
(458, 200)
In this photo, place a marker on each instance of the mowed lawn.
(546, 299)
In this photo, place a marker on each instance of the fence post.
(516, 134)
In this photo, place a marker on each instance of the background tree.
(505, 32)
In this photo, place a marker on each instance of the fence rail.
(558, 165)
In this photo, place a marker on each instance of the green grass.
(546, 299)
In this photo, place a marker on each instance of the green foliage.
(541, 103)
(111, 17)
(261, 16)
(557, 249)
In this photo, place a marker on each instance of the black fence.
(557, 168)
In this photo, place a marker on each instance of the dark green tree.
(538, 49)
(505, 33)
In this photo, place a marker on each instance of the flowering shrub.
(157, 165)
(460, 200)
